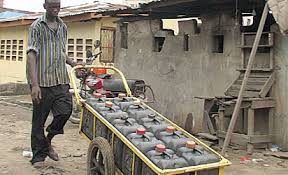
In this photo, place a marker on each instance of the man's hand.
(36, 94)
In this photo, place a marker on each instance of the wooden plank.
(251, 82)
(257, 88)
(257, 69)
(207, 136)
(282, 155)
(239, 139)
(20, 22)
(246, 94)
(221, 120)
(209, 123)
(245, 119)
(260, 139)
(234, 82)
(271, 120)
(251, 128)
(258, 75)
(258, 79)
(263, 104)
(251, 122)
(267, 86)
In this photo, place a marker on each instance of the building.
(86, 23)
(9, 13)
(205, 59)
(135, 3)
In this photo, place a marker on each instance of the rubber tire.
(107, 153)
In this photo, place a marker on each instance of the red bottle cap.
(121, 95)
(141, 131)
(97, 95)
(108, 104)
(170, 129)
(160, 148)
(191, 144)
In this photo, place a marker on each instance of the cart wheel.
(100, 159)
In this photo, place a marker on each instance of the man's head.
(52, 7)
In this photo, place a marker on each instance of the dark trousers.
(58, 100)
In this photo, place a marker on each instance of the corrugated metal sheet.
(95, 7)
(8, 14)
(279, 10)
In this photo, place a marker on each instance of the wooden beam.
(260, 139)
(165, 4)
(260, 104)
(77, 18)
(22, 22)
(246, 76)
(240, 139)
(267, 86)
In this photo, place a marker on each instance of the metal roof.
(9, 14)
(187, 8)
(94, 7)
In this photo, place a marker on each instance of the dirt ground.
(15, 125)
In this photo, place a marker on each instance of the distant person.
(48, 79)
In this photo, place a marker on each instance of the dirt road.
(15, 125)
(15, 128)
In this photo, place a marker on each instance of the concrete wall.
(10, 70)
(280, 90)
(177, 76)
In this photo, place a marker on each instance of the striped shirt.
(50, 47)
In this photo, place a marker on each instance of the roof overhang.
(66, 19)
(187, 8)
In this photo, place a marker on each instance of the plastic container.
(97, 100)
(153, 123)
(172, 138)
(164, 159)
(138, 115)
(144, 141)
(101, 129)
(196, 155)
(110, 117)
(126, 127)
(122, 98)
(135, 106)
(108, 108)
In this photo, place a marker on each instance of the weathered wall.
(13, 70)
(177, 76)
(281, 88)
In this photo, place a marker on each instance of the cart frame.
(80, 101)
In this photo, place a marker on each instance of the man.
(48, 79)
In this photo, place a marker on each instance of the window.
(77, 47)
(124, 35)
(158, 43)
(218, 43)
(107, 45)
(186, 42)
(11, 50)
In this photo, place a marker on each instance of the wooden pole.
(244, 83)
